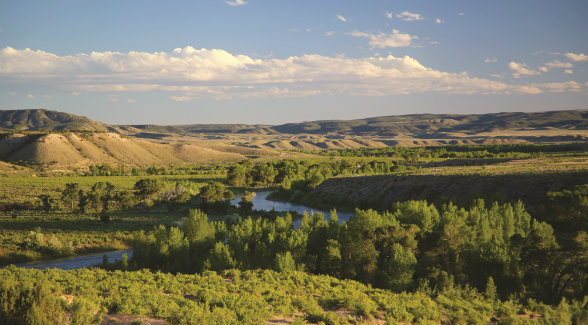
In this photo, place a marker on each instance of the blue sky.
(270, 62)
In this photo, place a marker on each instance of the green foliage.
(146, 188)
(284, 262)
(70, 195)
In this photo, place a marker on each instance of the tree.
(237, 175)
(215, 197)
(71, 195)
(146, 188)
(215, 192)
(219, 258)
(100, 196)
(47, 202)
(284, 262)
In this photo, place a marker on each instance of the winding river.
(260, 202)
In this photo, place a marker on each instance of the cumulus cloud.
(189, 74)
(383, 40)
(409, 16)
(521, 69)
(236, 3)
(389, 15)
(438, 21)
(341, 18)
(569, 71)
(577, 57)
(490, 60)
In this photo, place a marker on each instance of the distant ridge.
(46, 120)
(435, 123)
(418, 125)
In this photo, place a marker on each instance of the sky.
(275, 61)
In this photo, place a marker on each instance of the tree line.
(289, 174)
(498, 249)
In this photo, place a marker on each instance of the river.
(77, 262)
(260, 202)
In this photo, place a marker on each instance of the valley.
(427, 218)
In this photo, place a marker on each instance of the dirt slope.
(81, 149)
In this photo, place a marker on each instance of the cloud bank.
(189, 73)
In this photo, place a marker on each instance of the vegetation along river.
(260, 202)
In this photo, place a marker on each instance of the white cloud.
(236, 3)
(562, 87)
(130, 100)
(189, 74)
(75, 93)
(577, 57)
(521, 69)
(543, 69)
(460, 14)
(390, 15)
(569, 71)
(409, 16)
(438, 21)
(329, 33)
(383, 40)
(30, 96)
(558, 64)
(491, 60)
(341, 18)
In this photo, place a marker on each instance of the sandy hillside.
(90, 148)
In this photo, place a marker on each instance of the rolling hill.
(45, 120)
(82, 149)
(51, 137)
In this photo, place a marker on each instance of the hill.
(82, 149)
(45, 120)
(424, 125)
